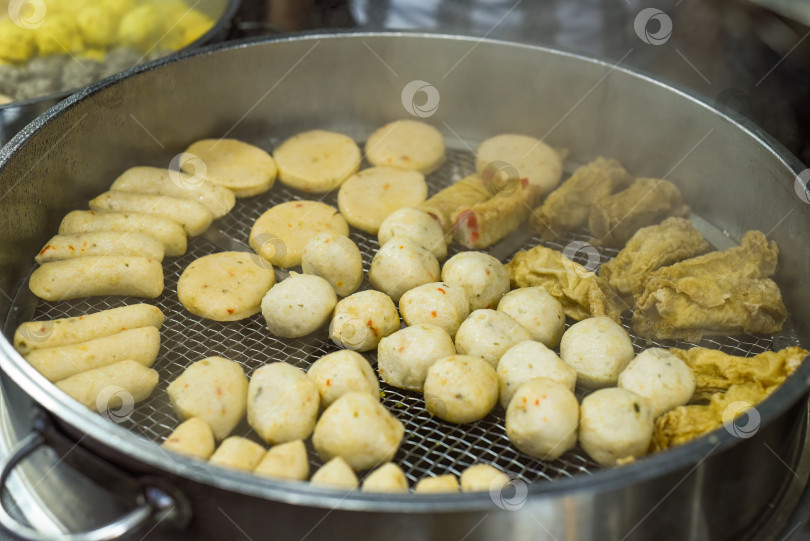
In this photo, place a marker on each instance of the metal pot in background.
(15, 115)
(717, 487)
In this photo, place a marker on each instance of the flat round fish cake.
(281, 233)
(406, 144)
(532, 158)
(317, 161)
(225, 286)
(244, 169)
(368, 197)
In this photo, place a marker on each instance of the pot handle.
(154, 503)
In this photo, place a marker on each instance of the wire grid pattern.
(431, 446)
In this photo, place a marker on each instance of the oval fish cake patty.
(281, 233)
(368, 197)
(245, 169)
(532, 158)
(226, 286)
(317, 161)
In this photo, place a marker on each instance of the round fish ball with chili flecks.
(483, 278)
(437, 303)
(539, 313)
(336, 259)
(437, 485)
(298, 305)
(359, 429)
(401, 265)
(528, 360)
(489, 334)
(387, 478)
(598, 348)
(416, 225)
(616, 425)
(542, 418)
(483, 477)
(343, 372)
(282, 403)
(362, 319)
(665, 380)
(404, 357)
(461, 389)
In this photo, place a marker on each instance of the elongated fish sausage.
(97, 275)
(100, 243)
(157, 181)
(169, 232)
(194, 217)
(140, 345)
(112, 387)
(33, 335)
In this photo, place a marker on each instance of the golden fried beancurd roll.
(139, 345)
(63, 247)
(191, 438)
(167, 231)
(33, 335)
(95, 276)
(112, 387)
(194, 217)
(237, 453)
(158, 181)
(445, 205)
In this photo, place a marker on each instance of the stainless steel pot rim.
(228, 13)
(688, 456)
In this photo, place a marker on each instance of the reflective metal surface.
(717, 487)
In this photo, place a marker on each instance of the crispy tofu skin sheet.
(581, 293)
(744, 381)
(673, 240)
(647, 201)
(726, 292)
(568, 207)
(445, 205)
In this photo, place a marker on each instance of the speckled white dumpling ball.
(483, 277)
(461, 389)
(665, 380)
(362, 319)
(542, 418)
(343, 372)
(404, 357)
(539, 313)
(400, 265)
(526, 361)
(488, 334)
(282, 403)
(615, 425)
(336, 259)
(437, 303)
(598, 348)
(298, 305)
(360, 430)
(416, 225)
